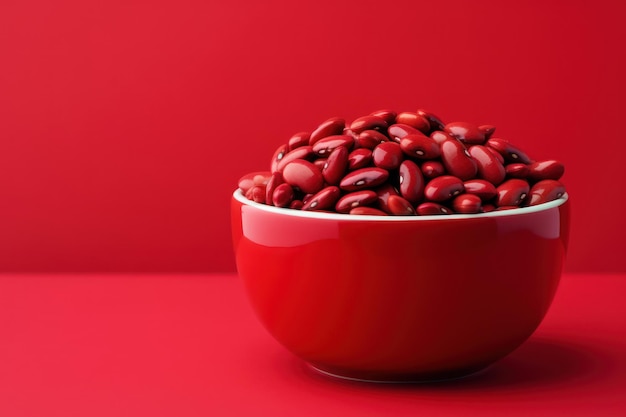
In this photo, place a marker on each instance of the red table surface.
(189, 345)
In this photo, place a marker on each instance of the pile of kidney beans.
(407, 163)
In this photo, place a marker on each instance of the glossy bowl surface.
(412, 298)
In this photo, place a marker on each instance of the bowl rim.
(238, 195)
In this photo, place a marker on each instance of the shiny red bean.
(432, 169)
(283, 196)
(488, 207)
(368, 123)
(296, 205)
(443, 188)
(303, 175)
(369, 139)
(516, 170)
(467, 204)
(544, 191)
(489, 168)
(367, 211)
(399, 206)
(509, 152)
(465, 132)
(278, 156)
(440, 136)
(387, 115)
(299, 139)
(434, 121)
(363, 178)
(398, 131)
(420, 146)
(275, 180)
(481, 188)
(325, 146)
(457, 160)
(512, 192)
(254, 178)
(303, 152)
(359, 158)
(545, 170)
(487, 130)
(258, 194)
(415, 120)
(323, 199)
(429, 209)
(330, 127)
(411, 181)
(387, 155)
(336, 165)
(495, 153)
(355, 199)
(383, 192)
(320, 163)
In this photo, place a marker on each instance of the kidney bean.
(434, 121)
(509, 152)
(387, 155)
(254, 178)
(363, 178)
(275, 180)
(443, 188)
(387, 115)
(432, 169)
(440, 136)
(415, 120)
(323, 199)
(278, 156)
(258, 194)
(383, 192)
(368, 123)
(511, 192)
(331, 127)
(398, 131)
(457, 160)
(307, 197)
(296, 205)
(465, 132)
(359, 158)
(429, 208)
(544, 191)
(299, 139)
(369, 139)
(489, 168)
(303, 152)
(488, 207)
(420, 146)
(481, 188)
(467, 204)
(399, 206)
(487, 130)
(320, 163)
(336, 165)
(516, 170)
(545, 170)
(502, 208)
(304, 175)
(367, 211)
(495, 153)
(283, 195)
(326, 145)
(411, 181)
(355, 199)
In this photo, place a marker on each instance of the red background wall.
(124, 126)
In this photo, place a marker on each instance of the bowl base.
(382, 378)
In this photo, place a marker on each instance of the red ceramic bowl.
(400, 298)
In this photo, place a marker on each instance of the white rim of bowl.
(238, 195)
